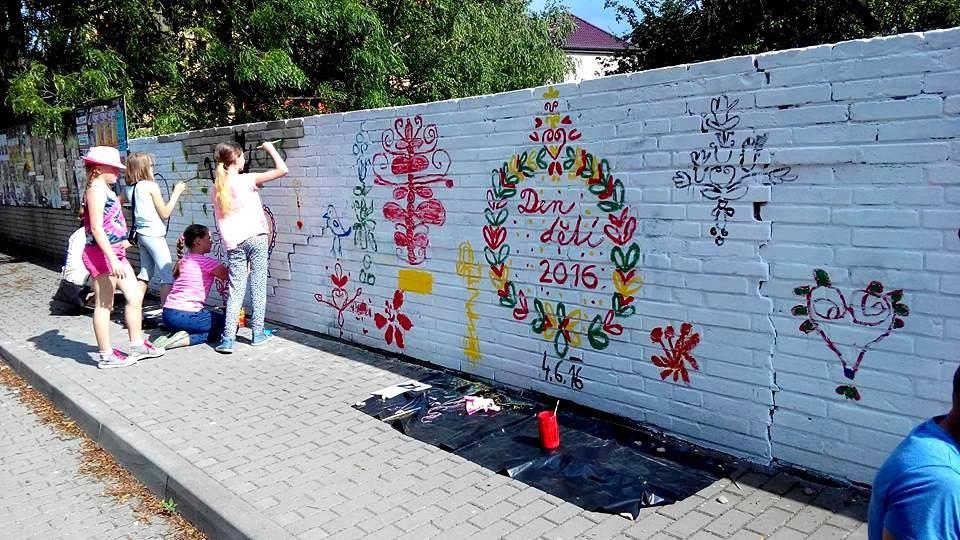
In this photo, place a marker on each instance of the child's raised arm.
(279, 169)
(165, 209)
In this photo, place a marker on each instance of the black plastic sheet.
(454, 430)
(601, 466)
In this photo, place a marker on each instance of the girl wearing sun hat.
(104, 256)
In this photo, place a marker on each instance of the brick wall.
(43, 231)
(759, 254)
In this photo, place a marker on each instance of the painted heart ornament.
(828, 312)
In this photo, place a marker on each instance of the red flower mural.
(676, 353)
(396, 323)
(410, 153)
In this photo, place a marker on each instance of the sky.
(591, 11)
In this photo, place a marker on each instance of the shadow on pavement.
(56, 344)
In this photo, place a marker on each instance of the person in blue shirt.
(916, 494)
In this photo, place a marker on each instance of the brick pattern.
(275, 426)
(869, 130)
(44, 231)
(44, 494)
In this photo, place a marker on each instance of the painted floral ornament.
(824, 305)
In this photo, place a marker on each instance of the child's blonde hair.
(225, 154)
(93, 171)
(138, 167)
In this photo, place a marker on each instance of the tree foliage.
(670, 32)
(187, 64)
(452, 48)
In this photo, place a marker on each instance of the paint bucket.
(549, 430)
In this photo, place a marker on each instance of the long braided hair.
(186, 240)
(93, 171)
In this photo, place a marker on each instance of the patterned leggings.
(254, 250)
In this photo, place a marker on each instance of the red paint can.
(549, 430)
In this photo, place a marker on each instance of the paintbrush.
(276, 142)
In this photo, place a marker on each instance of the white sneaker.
(116, 359)
(147, 350)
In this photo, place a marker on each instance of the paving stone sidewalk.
(275, 427)
(44, 495)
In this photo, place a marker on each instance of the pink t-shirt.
(246, 218)
(192, 286)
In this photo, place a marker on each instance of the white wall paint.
(587, 66)
(858, 175)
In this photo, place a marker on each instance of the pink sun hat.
(103, 155)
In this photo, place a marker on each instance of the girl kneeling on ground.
(104, 256)
(194, 274)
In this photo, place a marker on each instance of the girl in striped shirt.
(193, 274)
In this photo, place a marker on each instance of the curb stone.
(201, 500)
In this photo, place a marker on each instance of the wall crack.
(774, 388)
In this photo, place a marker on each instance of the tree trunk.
(16, 35)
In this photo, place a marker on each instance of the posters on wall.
(100, 123)
(28, 170)
(35, 170)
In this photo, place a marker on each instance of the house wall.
(587, 66)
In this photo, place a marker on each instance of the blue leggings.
(203, 325)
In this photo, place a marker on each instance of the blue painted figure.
(339, 229)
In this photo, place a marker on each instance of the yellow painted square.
(415, 281)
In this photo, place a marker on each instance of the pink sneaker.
(147, 350)
(116, 359)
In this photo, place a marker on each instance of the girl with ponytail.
(243, 230)
(194, 273)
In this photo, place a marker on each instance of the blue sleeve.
(927, 508)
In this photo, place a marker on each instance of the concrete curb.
(200, 499)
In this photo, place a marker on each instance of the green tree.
(456, 48)
(243, 64)
(670, 32)
(73, 52)
(189, 64)
(898, 16)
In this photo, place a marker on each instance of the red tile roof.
(587, 37)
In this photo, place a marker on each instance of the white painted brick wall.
(869, 130)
